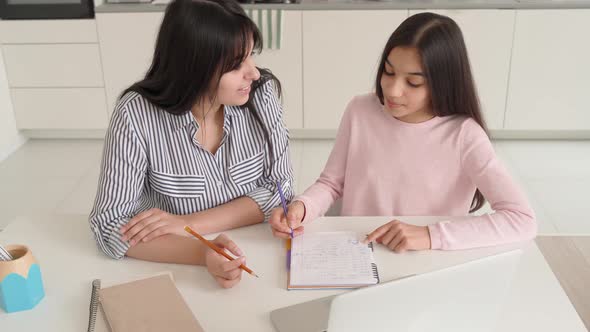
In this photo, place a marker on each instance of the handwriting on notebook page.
(329, 258)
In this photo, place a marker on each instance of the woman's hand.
(399, 236)
(227, 273)
(152, 223)
(280, 223)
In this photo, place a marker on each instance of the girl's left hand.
(399, 236)
(150, 224)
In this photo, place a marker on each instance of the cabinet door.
(550, 71)
(47, 31)
(341, 51)
(488, 36)
(53, 65)
(59, 108)
(285, 63)
(127, 42)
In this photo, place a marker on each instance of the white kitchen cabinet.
(59, 108)
(286, 64)
(550, 71)
(53, 65)
(127, 42)
(341, 51)
(488, 36)
(531, 67)
(47, 31)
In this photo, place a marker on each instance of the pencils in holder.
(217, 249)
(5, 254)
(284, 203)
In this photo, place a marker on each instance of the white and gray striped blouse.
(151, 158)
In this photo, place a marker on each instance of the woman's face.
(405, 92)
(234, 86)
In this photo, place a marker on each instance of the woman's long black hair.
(199, 41)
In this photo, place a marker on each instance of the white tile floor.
(60, 176)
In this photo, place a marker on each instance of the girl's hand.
(280, 223)
(399, 236)
(150, 224)
(227, 273)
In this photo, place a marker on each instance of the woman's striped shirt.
(151, 159)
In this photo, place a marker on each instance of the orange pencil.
(217, 249)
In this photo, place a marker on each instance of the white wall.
(10, 138)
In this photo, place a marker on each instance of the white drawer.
(47, 31)
(60, 108)
(53, 65)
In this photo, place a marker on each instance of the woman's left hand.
(150, 224)
(399, 236)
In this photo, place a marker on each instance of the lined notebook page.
(331, 259)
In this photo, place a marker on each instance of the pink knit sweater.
(381, 166)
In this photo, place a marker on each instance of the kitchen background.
(64, 62)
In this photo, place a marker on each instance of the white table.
(70, 260)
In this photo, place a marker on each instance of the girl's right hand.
(226, 273)
(280, 223)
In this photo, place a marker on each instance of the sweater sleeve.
(513, 219)
(328, 187)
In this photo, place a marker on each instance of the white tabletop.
(70, 260)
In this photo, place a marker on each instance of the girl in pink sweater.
(418, 146)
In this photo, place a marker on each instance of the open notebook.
(330, 260)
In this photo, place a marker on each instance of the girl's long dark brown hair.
(446, 67)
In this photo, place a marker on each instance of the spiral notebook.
(146, 304)
(330, 260)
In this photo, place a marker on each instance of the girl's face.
(234, 86)
(405, 93)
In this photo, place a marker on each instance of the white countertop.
(70, 260)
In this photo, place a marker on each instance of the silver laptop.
(458, 298)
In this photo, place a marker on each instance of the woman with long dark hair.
(199, 141)
(418, 146)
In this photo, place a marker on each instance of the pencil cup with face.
(21, 286)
